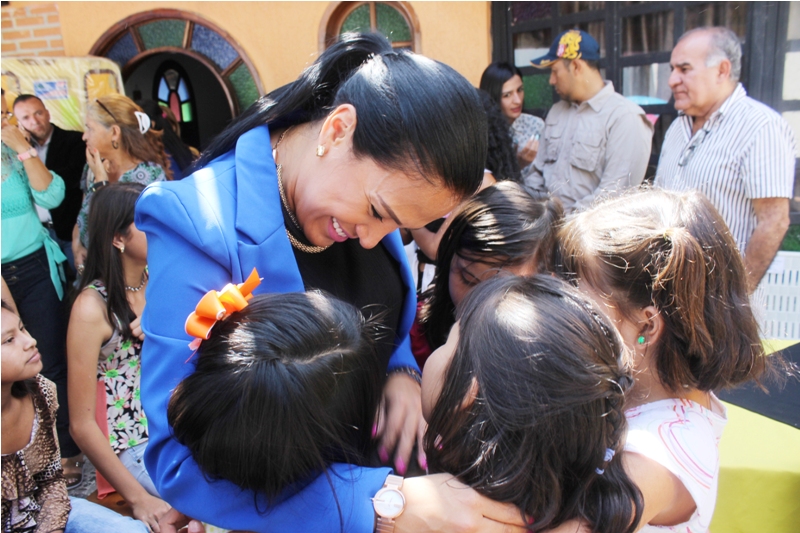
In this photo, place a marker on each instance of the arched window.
(175, 92)
(139, 36)
(396, 20)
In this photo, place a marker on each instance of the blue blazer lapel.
(260, 230)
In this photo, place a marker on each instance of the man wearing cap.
(63, 152)
(735, 150)
(596, 142)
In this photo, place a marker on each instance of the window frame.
(765, 35)
(337, 13)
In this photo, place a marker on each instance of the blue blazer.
(203, 232)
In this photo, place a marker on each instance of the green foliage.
(791, 242)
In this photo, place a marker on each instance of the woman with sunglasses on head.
(120, 146)
(309, 186)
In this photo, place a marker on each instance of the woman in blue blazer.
(309, 186)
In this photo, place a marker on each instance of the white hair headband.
(144, 121)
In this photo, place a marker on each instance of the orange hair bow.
(217, 305)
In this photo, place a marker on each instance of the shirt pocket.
(585, 152)
(553, 136)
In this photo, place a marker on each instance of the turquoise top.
(22, 231)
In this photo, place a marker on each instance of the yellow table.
(759, 479)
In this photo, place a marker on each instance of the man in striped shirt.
(737, 151)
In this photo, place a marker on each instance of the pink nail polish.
(374, 430)
(423, 462)
(400, 466)
(383, 454)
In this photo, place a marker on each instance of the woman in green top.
(31, 260)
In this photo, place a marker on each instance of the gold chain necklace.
(292, 239)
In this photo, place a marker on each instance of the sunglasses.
(106, 110)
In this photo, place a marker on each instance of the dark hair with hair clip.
(110, 214)
(551, 375)
(282, 389)
(495, 76)
(414, 114)
(501, 159)
(672, 251)
(506, 225)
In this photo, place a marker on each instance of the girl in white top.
(671, 278)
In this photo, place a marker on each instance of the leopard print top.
(34, 491)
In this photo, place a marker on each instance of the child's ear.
(652, 324)
(472, 393)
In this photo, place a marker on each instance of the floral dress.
(144, 173)
(120, 369)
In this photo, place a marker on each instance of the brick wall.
(31, 30)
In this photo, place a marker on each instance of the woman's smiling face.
(340, 196)
(360, 200)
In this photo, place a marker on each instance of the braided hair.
(547, 367)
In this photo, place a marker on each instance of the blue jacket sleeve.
(186, 259)
(402, 355)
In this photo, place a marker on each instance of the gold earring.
(122, 249)
(320, 150)
(114, 144)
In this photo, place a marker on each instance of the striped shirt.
(745, 151)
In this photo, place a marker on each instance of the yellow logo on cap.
(569, 46)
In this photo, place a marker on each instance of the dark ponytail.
(308, 98)
(414, 114)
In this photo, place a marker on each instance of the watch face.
(389, 503)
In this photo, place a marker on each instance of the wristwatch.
(27, 154)
(389, 503)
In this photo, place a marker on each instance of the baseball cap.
(571, 44)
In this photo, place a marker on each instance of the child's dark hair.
(505, 225)
(20, 389)
(415, 115)
(672, 251)
(495, 76)
(551, 375)
(110, 213)
(282, 389)
(501, 159)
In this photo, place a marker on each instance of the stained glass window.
(383, 18)
(174, 93)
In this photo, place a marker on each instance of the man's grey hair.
(722, 44)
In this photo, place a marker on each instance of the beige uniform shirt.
(598, 147)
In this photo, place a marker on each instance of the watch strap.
(385, 525)
(27, 154)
